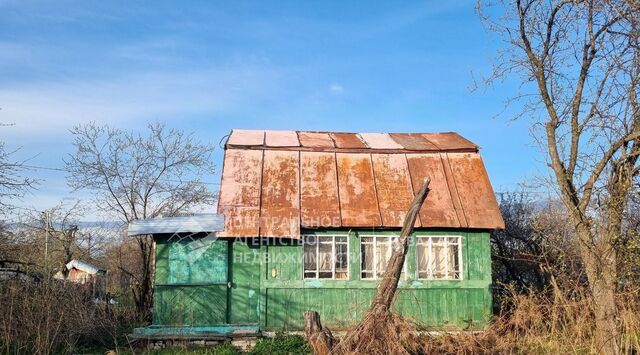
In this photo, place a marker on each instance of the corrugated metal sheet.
(316, 140)
(280, 204)
(393, 185)
(358, 198)
(281, 139)
(347, 140)
(413, 141)
(337, 180)
(319, 203)
(240, 192)
(208, 222)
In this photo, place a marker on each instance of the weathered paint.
(449, 141)
(319, 204)
(239, 198)
(271, 291)
(315, 140)
(393, 187)
(280, 201)
(357, 190)
(475, 191)
(379, 141)
(347, 140)
(413, 141)
(246, 137)
(281, 139)
(438, 208)
(460, 303)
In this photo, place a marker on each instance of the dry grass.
(57, 317)
(529, 323)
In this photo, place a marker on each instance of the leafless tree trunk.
(581, 58)
(381, 331)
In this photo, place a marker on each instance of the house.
(306, 221)
(82, 272)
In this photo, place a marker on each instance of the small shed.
(306, 222)
(82, 272)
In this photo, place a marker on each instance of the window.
(326, 257)
(439, 258)
(375, 252)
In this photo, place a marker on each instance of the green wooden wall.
(459, 303)
(267, 287)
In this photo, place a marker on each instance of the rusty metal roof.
(276, 182)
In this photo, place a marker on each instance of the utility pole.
(47, 221)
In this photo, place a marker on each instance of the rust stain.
(315, 140)
(319, 204)
(438, 209)
(280, 208)
(449, 141)
(347, 140)
(393, 185)
(281, 139)
(246, 137)
(475, 191)
(413, 141)
(239, 198)
(358, 200)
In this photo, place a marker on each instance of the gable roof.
(84, 266)
(276, 182)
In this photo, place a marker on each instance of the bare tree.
(12, 183)
(137, 176)
(581, 57)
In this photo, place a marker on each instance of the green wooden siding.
(268, 288)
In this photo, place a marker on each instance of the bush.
(281, 345)
(57, 317)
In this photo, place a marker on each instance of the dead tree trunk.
(320, 339)
(381, 331)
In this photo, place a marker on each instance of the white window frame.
(333, 257)
(375, 255)
(430, 264)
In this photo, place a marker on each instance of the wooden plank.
(280, 202)
(281, 139)
(319, 203)
(358, 200)
(315, 139)
(474, 189)
(393, 185)
(239, 198)
(347, 140)
(438, 209)
(246, 137)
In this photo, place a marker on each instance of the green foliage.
(281, 345)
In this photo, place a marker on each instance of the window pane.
(382, 254)
(423, 259)
(439, 255)
(454, 262)
(310, 262)
(366, 258)
(366, 240)
(325, 275)
(341, 257)
(324, 256)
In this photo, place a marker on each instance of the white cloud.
(336, 88)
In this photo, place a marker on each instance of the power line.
(36, 167)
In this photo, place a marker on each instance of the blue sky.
(209, 66)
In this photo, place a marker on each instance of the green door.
(191, 282)
(245, 283)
